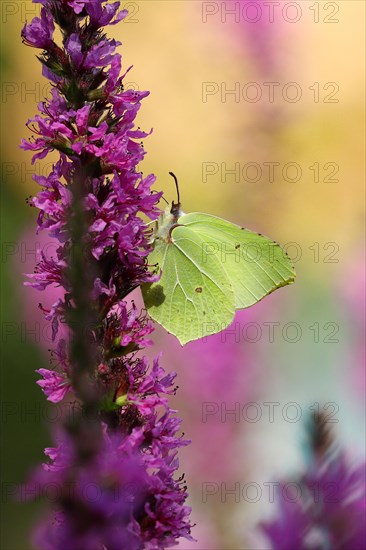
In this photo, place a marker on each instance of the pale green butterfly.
(209, 268)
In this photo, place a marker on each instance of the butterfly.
(209, 268)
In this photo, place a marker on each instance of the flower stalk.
(124, 439)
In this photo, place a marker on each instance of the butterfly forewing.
(255, 265)
(193, 298)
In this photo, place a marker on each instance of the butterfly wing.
(255, 265)
(191, 299)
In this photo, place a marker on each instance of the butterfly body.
(166, 222)
(209, 268)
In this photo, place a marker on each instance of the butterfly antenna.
(162, 197)
(176, 185)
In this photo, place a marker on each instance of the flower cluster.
(125, 496)
(326, 506)
(93, 203)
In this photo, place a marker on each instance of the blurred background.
(259, 109)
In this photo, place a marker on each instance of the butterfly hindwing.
(192, 298)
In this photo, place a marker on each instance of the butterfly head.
(175, 209)
(169, 219)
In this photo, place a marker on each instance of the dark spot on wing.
(154, 296)
(237, 246)
(199, 289)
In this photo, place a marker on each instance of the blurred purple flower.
(256, 29)
(218, 379)
(325, 508)
(262, 30)
(54, 385)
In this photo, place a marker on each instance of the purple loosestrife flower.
(40, 33)
(326, 507)
(123, 498)
(123, 441)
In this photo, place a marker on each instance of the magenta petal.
(54, 385)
